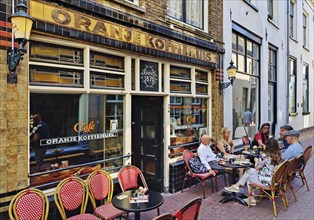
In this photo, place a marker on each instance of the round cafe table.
(155, 199)
(233, 196)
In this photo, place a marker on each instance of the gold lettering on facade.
(61, 17)
(86, 23)
(82, 21)
(100, 28)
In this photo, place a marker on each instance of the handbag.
(197, 166)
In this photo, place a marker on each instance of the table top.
(155, 200)
(236, 166)
(250, 153)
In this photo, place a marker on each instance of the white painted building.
(271, 43)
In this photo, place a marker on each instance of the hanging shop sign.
(82, 22)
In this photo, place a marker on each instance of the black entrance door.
(147, 144)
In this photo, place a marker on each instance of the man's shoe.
(233, 188)
(253, 201)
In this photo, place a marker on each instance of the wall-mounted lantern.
(232, 71)
(21, 25)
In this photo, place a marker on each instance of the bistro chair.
(100, 185)
(291, 169)
(190, 211)
(307, 154)
(29, 204)
(275, 186)
(128, 177)
(201, 177)
(165, 216)
(71, 194)
(246, 141)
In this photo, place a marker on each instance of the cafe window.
(106, 61)
(201, 79)
(83, 128)
(305, 104)
(292, 85)
(43, 75)
(246, 55)
(188, 11)
(55, 53)
(180, 80)
(188, 121)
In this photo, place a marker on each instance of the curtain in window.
(175, 9)
(194, 12)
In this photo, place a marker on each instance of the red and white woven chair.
(72, 194)
(29, 204)
(100, 186)
(190, 211)
(128, 177)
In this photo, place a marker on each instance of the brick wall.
(13, 118)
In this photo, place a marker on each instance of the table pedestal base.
(233, 196)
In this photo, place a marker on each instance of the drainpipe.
(288, 60)
(12, 37)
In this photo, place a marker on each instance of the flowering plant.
(141, 190)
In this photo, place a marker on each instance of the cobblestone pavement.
(212, 209)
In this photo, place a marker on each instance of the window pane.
(241, 45)
(201, 89)
(292, 94)
(256, 51)
(106, 61)
(52, 76)
(102, 80)
(234, 41)
(249, 65)
(55, 53)
(249, 48)
(245, 95)
(305, 88)
(82, 128)
(201, 76)
(175, 9)
(241, 63)
(194, 13)
(180, 73)
(180, 87)
(188, 120)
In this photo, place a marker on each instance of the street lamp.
(22, 25)
(232, 71)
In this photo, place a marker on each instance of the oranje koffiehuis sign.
(72, 19)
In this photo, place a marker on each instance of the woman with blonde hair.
(225, 144)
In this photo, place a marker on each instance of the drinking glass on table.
(246, 147)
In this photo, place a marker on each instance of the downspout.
(12, 37)
(288, 59)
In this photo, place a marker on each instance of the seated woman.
(263, 171)
(261, 136)
(225, 144)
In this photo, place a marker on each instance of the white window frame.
(205, 18)
(305, 29)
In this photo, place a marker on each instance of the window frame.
(184, 15)
(292, 74)
(305, 95)
(292, 17)
(270, 9)
(305, 29)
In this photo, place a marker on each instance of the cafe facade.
(116, 83)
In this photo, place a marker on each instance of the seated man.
(207, 157)
(261, 136)
(284, 129)
(295, 148)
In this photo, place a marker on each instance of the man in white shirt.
(208, 157)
